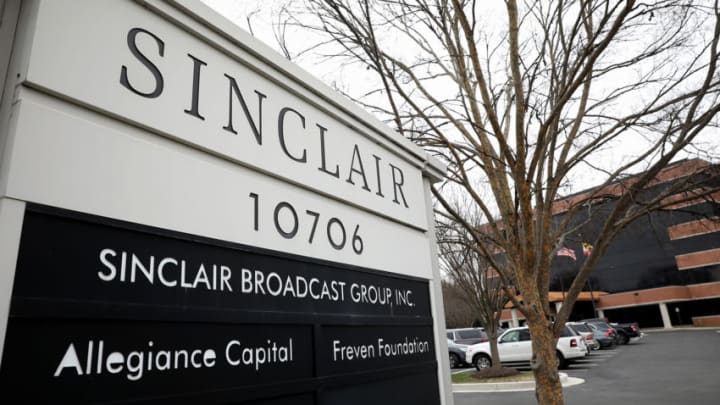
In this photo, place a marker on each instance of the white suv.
(515, 348)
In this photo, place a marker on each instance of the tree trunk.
(548, 389)
(494, 353)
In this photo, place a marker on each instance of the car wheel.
(482, 361)
(623, 339)
(561, 362)
(454, 360)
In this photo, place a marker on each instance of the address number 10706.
(288, 223)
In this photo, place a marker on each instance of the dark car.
(602, 332)
(467, 336)
(457, 354)
(626, 331)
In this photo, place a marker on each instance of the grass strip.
(468, 378)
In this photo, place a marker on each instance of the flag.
(587, 248)
(565, 251)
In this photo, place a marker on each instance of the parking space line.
(603, 355)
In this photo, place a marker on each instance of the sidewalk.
(679, 328)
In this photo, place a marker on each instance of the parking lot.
(663, 368)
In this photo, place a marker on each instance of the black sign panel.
(65, 260)
(348, 348)
(413, 389)
(119, 360)
(106, 311)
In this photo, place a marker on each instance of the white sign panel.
(94, 164)
(151, 72)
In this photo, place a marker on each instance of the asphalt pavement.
(663, 368)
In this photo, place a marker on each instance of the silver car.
(584, 330)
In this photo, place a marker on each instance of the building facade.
(663, 270)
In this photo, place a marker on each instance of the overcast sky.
(260, 16)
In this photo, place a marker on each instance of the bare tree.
(481, 285)
(458, 313)
(528, 100)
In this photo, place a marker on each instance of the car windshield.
(568, 332)
(511, 336)
(579, 327)
(600, 326)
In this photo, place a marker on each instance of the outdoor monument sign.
(187, 217)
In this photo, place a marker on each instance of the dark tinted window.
(450, 335)
(470, 334)
(524, 335)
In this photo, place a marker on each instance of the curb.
(511, 386)
(681, 328)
